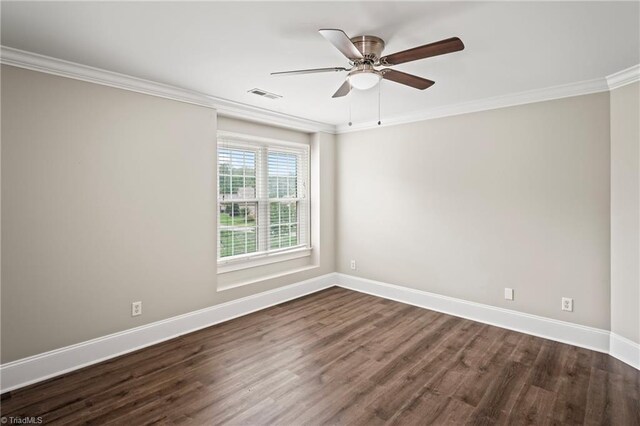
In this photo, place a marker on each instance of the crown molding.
(225, 107)
(624, 77)
(521, 98)
(49, 65)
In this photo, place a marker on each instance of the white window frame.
(264, 255)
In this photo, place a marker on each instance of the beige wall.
(467, 205)
(108, 197)
(625, 211)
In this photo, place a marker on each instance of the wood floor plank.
(500, 395)
(547, 367)
(340, 357)
(574, 384)
(474, 385)
(434, 410)
(532, 406)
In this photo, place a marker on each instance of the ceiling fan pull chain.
(350, 96)
(379, 91)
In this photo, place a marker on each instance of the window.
(263, 203)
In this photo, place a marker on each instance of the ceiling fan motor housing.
(371, 47)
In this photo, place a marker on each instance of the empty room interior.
(301, 213)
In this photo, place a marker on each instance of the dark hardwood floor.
(341, 357)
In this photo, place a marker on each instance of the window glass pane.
(293, 187)
(238, 228)
(224, 185)
(293, 235)
(250, 185)
(237, 214)
(274, 237)
(252, 241)
(224, 161)
(242, 188)
(282, 186)
(284, 224)
(273, 187)
(236, 184)
(274, 213)
(283, 213)
(238, 241)
(293, 212)
(283, 172)
(238, 162)
(284, 236)
(244, 241)
(225, 243)
(237, 170)
(249, 163)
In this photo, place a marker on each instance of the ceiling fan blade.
(342, 42)
(441, 47)
(343, 90)
(310, 71)
(407, 79)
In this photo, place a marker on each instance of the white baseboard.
(625, 350)
(43, 366)
(560, 331)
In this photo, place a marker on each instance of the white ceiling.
(224, 49)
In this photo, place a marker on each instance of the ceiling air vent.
(264, 94)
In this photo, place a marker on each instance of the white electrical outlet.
(508, 293)
(353, 265)
(567, 304)
(136, 309)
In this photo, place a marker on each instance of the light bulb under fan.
(364, 78)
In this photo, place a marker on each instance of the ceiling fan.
(363, 53)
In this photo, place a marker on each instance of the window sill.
(226, 266)
(265, 278)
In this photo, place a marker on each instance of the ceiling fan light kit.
(364, 78)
